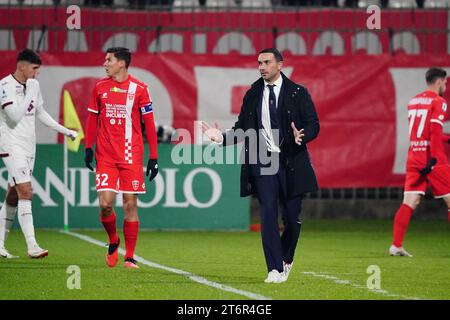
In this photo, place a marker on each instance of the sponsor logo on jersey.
(444, 107)
(419, 143)
(115, 110)
(112, 121)
(135, 184)
(115, 89)
(105, 95)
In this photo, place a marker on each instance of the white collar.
(277, 83)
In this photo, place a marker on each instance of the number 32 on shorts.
(101, 180)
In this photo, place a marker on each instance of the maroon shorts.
(125, 178)
(438, 179)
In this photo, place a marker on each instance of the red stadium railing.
(221, 30)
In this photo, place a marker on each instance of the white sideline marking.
(348, 282)
(189, 275)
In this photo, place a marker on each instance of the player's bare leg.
(25, 194)
(401, 222)
(7, 216)
(108, 219)
(130, 228)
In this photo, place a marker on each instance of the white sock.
(7, 215)
(26, 222)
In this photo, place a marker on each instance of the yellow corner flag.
(71, 121)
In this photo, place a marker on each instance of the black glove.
(88, 158)
(427, 169)
(152, 168)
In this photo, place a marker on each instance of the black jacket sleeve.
(308, 117)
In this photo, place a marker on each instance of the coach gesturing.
(284, 117)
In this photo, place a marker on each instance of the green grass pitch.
(331, 263)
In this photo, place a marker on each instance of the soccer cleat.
(287, 269)
(37, 252)
(112, 256)
(131, 263)
(275, 277)
(398, 251)
(5, 254)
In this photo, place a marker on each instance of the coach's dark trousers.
(270, 189)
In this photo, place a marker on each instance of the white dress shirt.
(272, 146)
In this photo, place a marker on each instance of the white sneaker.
(275, 277)
(37, 252)
(287, 269)
(5, 254)
(398, 251)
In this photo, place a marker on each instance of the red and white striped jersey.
(119, 106)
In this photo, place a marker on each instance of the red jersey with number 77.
(119, 106)
(423, 110)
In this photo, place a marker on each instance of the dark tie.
(273, 107)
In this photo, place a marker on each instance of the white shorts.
(20, 168)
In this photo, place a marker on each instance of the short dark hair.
(435, 73)
(275, 52)
(29, 56)
(121, 53)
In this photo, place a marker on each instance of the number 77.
(412, 114)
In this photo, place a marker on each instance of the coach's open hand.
(88, 158)
(152, 168)
(298, 134)
(214, 134)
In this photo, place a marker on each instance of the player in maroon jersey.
(427, 162)
(118, 104)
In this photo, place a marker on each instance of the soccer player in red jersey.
(118, 104)
(427, 163)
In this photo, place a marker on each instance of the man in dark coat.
(278, 119)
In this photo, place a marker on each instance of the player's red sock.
(401, 223)
(109, 223)
(130, 232)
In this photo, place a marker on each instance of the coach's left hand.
(298, 134)
(152, 168)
